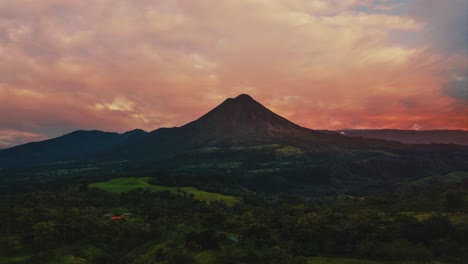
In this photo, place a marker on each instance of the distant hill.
(459, 137)
(80, 144)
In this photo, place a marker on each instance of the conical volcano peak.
(244, 97)
(240, 119)
(242, 105)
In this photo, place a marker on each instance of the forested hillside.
(75, 223)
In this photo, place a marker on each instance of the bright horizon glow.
(323, 64)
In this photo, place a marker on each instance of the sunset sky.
(116, 65)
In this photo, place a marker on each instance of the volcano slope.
(242, 142)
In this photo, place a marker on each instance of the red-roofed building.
(117, 217)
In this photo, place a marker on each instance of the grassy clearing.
(121, 185)
(205, 257)
(288, 151)
(421, 216)
(451, 178)
(332, 260)
(459, 219)
(15, 259)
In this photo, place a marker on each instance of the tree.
(44, 232)
(454, 200)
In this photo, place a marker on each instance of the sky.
(117, 65)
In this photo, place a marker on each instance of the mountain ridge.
(236, 121)
(242, 141)
(447, 136)
(74, 145)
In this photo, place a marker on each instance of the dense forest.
(75, 224)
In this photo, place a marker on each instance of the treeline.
(70, 226)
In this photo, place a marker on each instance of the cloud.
(446, 23)
(415, 127)
(9, 138)
(457, 86)
(118, 104)
(117, 65)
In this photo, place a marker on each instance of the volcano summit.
(239, 121)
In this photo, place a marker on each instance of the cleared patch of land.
(16, 259)
(205, 257)
(451, 178)
(332, 260)
(122, 185)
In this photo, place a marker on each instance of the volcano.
(239, 139)
(237, 121)
(241, 120)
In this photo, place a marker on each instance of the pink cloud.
(10, 138)
(117, 65)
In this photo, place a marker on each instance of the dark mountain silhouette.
(236, 121)
(244, 121)
(79, 144)
(244, 142)
(459, 137)
(240, 120)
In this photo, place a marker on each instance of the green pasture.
(122, 185)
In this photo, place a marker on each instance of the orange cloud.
(14, 137)
(118, 65)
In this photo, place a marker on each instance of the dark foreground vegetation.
(420, 222)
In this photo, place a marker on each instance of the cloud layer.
(118, 65)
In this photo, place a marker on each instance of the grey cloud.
(457, 86)
(408, 103)
(446, 23)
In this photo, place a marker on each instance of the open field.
(205, 257)
(16, 259)
(333, 260)
(121, 185)
(451, 178)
